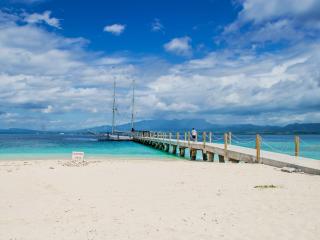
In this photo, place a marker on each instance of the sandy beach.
(155, 199)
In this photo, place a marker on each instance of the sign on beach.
(78, 156)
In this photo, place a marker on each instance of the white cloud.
(260, 23)
(111, 60)
(157, 26)
(48, 109)
(115, 29)
(7, 18)
(42, 18)
(180, 46)
(261, 10)
(43, 75)
(249, 88)
(46, 78)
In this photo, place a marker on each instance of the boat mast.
(114, 106)
(132, 113)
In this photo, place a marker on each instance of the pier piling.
(225, 137)
(182, 151)
(210, 156)
(174, 149)
(258, 148)
(221, 159)
(193, 154)
(297, 146)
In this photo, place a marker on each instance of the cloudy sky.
(230, 62)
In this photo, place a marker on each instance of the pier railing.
(249, 141)
(226, 147)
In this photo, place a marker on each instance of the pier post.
(174, 149)
(229, 138)
(210, 156)
(170, 136)
(181, 151)
(193, 153)
(197, 137)
(162, 146)
(225, 146)
(188, 138)
(210, 137)
(297, 146)
(167, 147)
(185, 136)
(178, 137)
(258, 148)
(204, 138)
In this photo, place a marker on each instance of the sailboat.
(118, 135)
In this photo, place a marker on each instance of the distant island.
(187, 124)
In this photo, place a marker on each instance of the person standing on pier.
(193, 134)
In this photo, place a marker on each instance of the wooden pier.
(226, 152)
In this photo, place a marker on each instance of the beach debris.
(51, 167)
(290, 169)
(265, 186)
(75, 163)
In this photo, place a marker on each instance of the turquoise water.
(309, 144)
(39, 146)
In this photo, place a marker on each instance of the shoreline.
(92, 157)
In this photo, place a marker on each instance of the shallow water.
(40, 146)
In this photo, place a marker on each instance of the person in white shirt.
(193, 134)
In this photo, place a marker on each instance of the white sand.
(155, 199)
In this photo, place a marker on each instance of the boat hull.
(111, 137)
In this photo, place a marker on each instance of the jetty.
(226, 151)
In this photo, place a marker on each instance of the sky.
(226, 61)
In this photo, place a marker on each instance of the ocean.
(58, 146)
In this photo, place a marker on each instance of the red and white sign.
(78, 156)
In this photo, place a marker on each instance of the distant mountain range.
(203, 125)
(198, 124)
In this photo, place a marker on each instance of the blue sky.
(230, 62)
